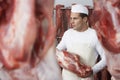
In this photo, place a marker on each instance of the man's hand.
(86, 72)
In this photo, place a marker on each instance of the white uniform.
(87, 46)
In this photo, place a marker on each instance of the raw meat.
(72, 63)
(105, 18)
(62, 20)
(27, 33)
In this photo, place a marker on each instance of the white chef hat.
(78, 8)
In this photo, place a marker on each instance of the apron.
(87, 56)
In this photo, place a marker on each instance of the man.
(82, 41)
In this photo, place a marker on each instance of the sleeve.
(102, 63)
(62, 45)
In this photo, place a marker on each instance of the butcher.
(79, 48)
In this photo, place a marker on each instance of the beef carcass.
(27, 40)
(60, 29)
(105, 18)
(72, 63)
(62, 20)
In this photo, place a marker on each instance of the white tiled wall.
(68, 3)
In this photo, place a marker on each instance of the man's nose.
(71, 21)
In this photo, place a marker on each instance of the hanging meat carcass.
(105, 18)
(60, 29)
(27, 40)
(62, 20)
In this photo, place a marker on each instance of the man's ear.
(85, 19)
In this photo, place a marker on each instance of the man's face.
(76, 20)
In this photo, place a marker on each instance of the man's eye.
(75, 18)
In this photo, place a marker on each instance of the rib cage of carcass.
(27, 40)
(105, 19)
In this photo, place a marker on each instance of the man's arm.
(102, 63)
